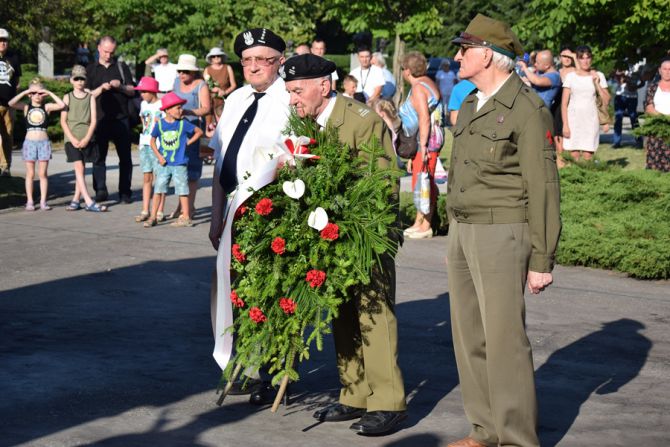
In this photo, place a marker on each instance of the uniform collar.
(276, 90)
(505, 95)
(337, 115)
(322, 119)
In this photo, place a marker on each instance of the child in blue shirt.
(175, 133)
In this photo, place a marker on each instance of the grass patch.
(12, 192)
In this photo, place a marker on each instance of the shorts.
(89, 154)
(34, 150)
(177, 173)
(194, 162)
(148, 160)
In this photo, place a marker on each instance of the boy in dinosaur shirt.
(175, 133)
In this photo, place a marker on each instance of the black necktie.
(228, 176)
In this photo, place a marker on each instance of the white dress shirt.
(265, 130)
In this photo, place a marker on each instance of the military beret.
(258, 37)
(306, 66)
(494, 34)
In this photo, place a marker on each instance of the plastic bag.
(422, 192)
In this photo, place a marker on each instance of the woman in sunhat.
(221, 81)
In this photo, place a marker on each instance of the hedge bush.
(616, 220)
(612, 219)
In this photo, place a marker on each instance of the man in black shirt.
(114, 80)
(10, 72)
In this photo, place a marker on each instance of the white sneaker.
(421, 234)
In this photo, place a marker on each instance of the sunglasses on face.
(183, 72)
(260, 61)
(78, 79)
(465, 47)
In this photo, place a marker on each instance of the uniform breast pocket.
(498, 144)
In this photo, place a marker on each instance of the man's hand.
(115, 83)
(537, 281)
(215, 232)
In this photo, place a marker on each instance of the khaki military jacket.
(503, 167)
(358, 124)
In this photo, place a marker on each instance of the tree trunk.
(398, 54)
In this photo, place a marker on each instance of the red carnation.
(264, 207)
(240, 211)
(331, 232)
(238, 254)
(237, 301)
(257, 315)
(315, 278)
(287, 305)
(278, 245)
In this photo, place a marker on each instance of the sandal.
(175, 214)
(144, 215)
(45, 207)
(94, 207)
(182, 222)
(30, 206)
(160, 217)
(150, 223)
(73, 206)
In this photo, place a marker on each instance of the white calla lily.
(318, 219)
(295, 189)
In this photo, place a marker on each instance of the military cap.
(258, 37)
(494, 34)
(306, 66)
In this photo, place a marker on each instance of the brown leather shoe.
(466, 442)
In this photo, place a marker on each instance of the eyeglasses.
(465, 48)
(78, 79)
(260, 61)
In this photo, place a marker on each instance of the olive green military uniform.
(503, 207)
(365, 331)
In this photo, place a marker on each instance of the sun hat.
(162, 52)
(170, 100)
(216, 51)
(4, 34)
(78, 71)
(147, 84)
(187, 62)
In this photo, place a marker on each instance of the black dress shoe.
(101, 196)
(243, 386)
(378, 422)
(338, 412)
(126, 198)
(263, 394)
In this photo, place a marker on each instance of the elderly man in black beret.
(255, 116)
(372, 386)
(504, 226)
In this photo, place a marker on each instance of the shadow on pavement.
(91, 346)
(601, 362)
(421, 440)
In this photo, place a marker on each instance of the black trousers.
(118, 132)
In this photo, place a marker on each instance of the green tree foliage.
(615, 29)
(194, 26)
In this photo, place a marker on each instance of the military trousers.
(6, 134)
(487, 266)
(366, 342)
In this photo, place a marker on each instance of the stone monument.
(45, 55)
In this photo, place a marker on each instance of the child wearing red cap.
(174, 133)
(150, 113)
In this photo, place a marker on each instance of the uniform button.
(472, 132)
(494, 135)
(462, 189)
(465, 215)
(467, 162)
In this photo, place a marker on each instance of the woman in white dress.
(580, 114)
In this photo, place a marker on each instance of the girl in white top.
(580, 113)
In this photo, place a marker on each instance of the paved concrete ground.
(106, 341)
